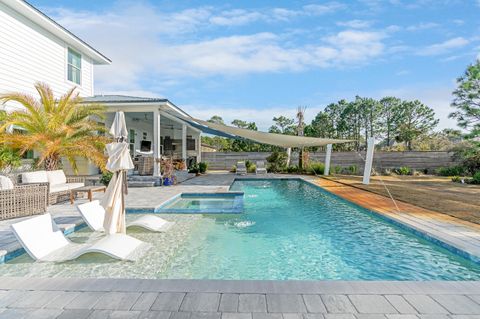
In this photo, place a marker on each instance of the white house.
(33, 47)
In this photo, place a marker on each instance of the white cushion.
(35, 177)
(56, 177)
(6, 183)
(58, 188)
(75, 185)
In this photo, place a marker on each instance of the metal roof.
(123, 99)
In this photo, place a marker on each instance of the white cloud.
(355, 24)
(237, 17)
(145, 43)
(444, 47)
(422, 26)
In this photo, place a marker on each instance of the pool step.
(141, 184)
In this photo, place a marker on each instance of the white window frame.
(68, 65)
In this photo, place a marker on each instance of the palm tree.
(55, 129)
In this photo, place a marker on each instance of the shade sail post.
(289, 155)
(369, 161)
(184, 145)
(328, 156)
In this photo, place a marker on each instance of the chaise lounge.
(43, 241)
(260, 168)
(58, 185)
(94, 214)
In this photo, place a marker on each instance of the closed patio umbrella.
(119, 161)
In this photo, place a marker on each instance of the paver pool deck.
(223, 299)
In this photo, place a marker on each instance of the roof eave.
(38, 17)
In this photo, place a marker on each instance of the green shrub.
(476, 178)
(277, 162)
(292, 169)
(456, 179)
(352, 169)
(194, 168)
(106, 177)
(404, 170)
(252, 168)
(9, 159)
(337, 169)
(233, 169)
(450, 171)
(202, 167)
(316, 168)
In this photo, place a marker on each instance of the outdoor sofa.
(58, 185)
(21, 200)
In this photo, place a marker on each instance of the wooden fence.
(382, 160)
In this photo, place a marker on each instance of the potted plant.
(168, 169)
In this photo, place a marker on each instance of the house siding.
(28, 54)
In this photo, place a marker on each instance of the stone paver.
(202, 302)
(338, 304)
(400, 304)
(371, 304)
(85, 300)
(252, 303)
(457, 304)
(236, 315)
(155, 315)
(145, 301)
(314, 303)
(285, 303)
(75, 313)
(62, 300)
(35, 299)
(168, 301)
(229, 303)
(263, 315)
(424, 304)
(117, 301)
(206, 315)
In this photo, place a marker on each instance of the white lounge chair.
(260, 168)
(241, 168)
(94, 214)
(43, 241)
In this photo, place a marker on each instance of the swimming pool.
(290, 229)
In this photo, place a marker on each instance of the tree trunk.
(51, 162)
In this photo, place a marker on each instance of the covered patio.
(156, 132)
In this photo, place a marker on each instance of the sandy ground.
(436, 193)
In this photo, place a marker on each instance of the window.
(74, 66)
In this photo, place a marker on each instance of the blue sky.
(257, 59)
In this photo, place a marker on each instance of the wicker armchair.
(23, 200)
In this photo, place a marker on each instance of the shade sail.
(271, 138)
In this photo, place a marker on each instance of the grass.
(436, 193)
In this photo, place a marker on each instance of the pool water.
(216, 203)
(289, 229)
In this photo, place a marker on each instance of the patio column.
(184, 144)
(369, 161)
(328, 155)
(289, 155)
(199, 148)
(156, 143)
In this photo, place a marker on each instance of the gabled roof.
(44, 21)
